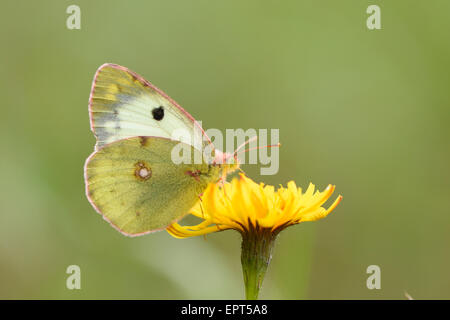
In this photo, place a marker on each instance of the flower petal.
(242, 202)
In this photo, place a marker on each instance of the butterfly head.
(228, 161)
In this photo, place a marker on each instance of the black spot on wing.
(158, 113)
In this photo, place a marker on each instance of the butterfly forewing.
(123, 104)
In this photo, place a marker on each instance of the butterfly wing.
(137, 188)
(122, 104)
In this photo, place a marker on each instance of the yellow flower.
(259, 213)
(244, 205)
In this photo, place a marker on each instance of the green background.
(365, 110)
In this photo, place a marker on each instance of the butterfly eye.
(158, 113)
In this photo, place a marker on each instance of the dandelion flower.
(259, 213)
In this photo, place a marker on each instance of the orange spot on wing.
(142, 171)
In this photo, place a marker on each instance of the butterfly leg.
(201, 206)
(223, 181)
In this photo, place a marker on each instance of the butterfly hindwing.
(136, 187)
(123, 104)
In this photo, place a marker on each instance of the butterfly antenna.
(254, 138)
(261, 147)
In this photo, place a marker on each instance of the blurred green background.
(365, 110)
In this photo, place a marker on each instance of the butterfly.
(130, 178)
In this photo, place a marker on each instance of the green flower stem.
(257, 246)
